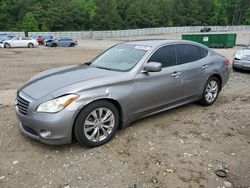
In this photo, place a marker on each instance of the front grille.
(22, 105)
(248, 58)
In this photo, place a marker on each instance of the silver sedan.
(242, 60)
(128, 81)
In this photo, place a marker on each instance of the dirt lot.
(178, 148)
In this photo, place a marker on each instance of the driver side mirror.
(152, 67)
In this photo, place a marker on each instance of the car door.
(190, 59)
(155, 90)
(64, 42)
(59, 42)
(15, 42)
(67, 42)
(23, 42)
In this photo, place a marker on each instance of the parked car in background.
(241, 59)
(47, 37)
(127, 82)
(38, 38)
(42, 38)
(19, 42)
(48, 42)
(63, 42)
(205, 29)
(6, 37)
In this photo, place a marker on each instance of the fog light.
(45, 134)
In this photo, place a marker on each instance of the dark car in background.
(42, 38)
(63, 42)
(48, 42)
(38, 38)
(205, 29)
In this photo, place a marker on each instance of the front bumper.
(58, 125)
(241, 64)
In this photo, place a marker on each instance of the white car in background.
(18, 42)
(242, 59)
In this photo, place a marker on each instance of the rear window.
(204, 52)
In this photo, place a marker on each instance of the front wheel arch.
(7, 44)
(113, 101)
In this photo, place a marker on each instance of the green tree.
(247, 16)
(58, 15)
(107, 17)
(29, 22)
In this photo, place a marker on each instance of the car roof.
(159, 42)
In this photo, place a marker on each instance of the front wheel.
(53, 45)
(96, 124)
(211, 91)
(30, 45)
(7, 45)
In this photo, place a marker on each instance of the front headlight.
(240, 55)
(57, 104)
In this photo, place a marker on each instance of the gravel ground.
(182, 147)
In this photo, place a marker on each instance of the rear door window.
(187, 53)
(165, 55)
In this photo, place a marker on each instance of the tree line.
(76, 15)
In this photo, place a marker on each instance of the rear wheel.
(211, 91)
(96, 124)
(72, 45)
(30, 45)
(7, 45)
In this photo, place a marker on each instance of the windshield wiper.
(105, 68)
(88, 63)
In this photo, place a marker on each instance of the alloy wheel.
(211, 91)
(99, 124)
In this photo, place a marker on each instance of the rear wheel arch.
(31, 45)
(219, 78)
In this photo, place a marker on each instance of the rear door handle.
(176, 74)
(205, 67)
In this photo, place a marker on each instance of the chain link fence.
(243, 33)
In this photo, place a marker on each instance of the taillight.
(227, 62)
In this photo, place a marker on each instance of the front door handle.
(176, 74)
(205, 67)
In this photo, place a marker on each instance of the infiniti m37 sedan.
(129, 81)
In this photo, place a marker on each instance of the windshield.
(122, 57)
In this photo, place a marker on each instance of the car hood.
(47, 82)
(242, 54)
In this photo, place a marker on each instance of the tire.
(30, 45)
(211, 91)
(53, 45)
(7, 45)
(72, 45)
(104, 125)
(235, 68)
